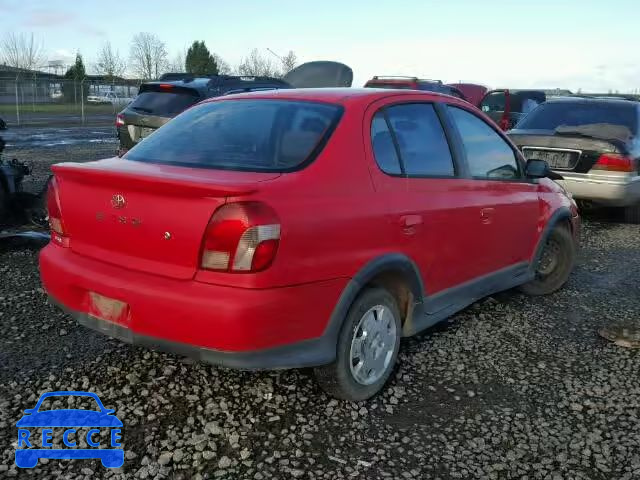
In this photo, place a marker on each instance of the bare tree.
(110, 63)
(258, 65)
(289, 62)
(223, 67)
(148, 55)
(21, 50)
(177, 63)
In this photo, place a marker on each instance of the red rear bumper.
(245, 328)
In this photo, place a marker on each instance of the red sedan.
(305, 227)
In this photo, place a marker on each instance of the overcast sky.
(573, 44)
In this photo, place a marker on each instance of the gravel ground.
(42, 146)
(512, 387)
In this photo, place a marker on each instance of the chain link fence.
(50, 100)
(51, 119)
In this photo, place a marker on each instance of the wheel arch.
(560, 216)
(395, 272)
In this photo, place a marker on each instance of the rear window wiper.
(142, 109)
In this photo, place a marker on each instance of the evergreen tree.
(73, 78)
(199, 60)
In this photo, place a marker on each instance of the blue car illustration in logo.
(31, 448)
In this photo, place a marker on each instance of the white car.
(114, 99)
(109, 98)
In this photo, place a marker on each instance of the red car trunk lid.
(145, 217)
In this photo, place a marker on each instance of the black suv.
(159, 101)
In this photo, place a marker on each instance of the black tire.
(632, 214)
(551, 277)
(337, 379)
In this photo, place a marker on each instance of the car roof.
(587, 100)
(204, 83)
(339, 96)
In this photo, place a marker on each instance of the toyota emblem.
(118, 201)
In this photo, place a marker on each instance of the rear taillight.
(241, 237)
(58, 232)
(119, 120)
(614, 162)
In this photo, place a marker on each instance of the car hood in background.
(320, 74)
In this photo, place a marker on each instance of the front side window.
(488, 154)
(422, 144)
(252, 135)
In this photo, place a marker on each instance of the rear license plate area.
(108, 309)
(557, 159)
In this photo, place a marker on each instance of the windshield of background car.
(493, 102)
(552, 115)
(164, 103)
(252, 135)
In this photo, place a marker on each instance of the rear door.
(434, 215)
(509, 201)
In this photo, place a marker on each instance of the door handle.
(486, 215)
(409, 223)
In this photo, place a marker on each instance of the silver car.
(592, 143)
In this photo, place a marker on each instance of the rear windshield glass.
(163, 103)
(550, 116)
(253, 135)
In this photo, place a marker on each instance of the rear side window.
(551, 115)
(422, 145)
(383, 147)
(252, 135)
(163, 103)
(488, 155)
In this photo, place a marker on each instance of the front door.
(510, 204)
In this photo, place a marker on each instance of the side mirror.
(540, 169)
